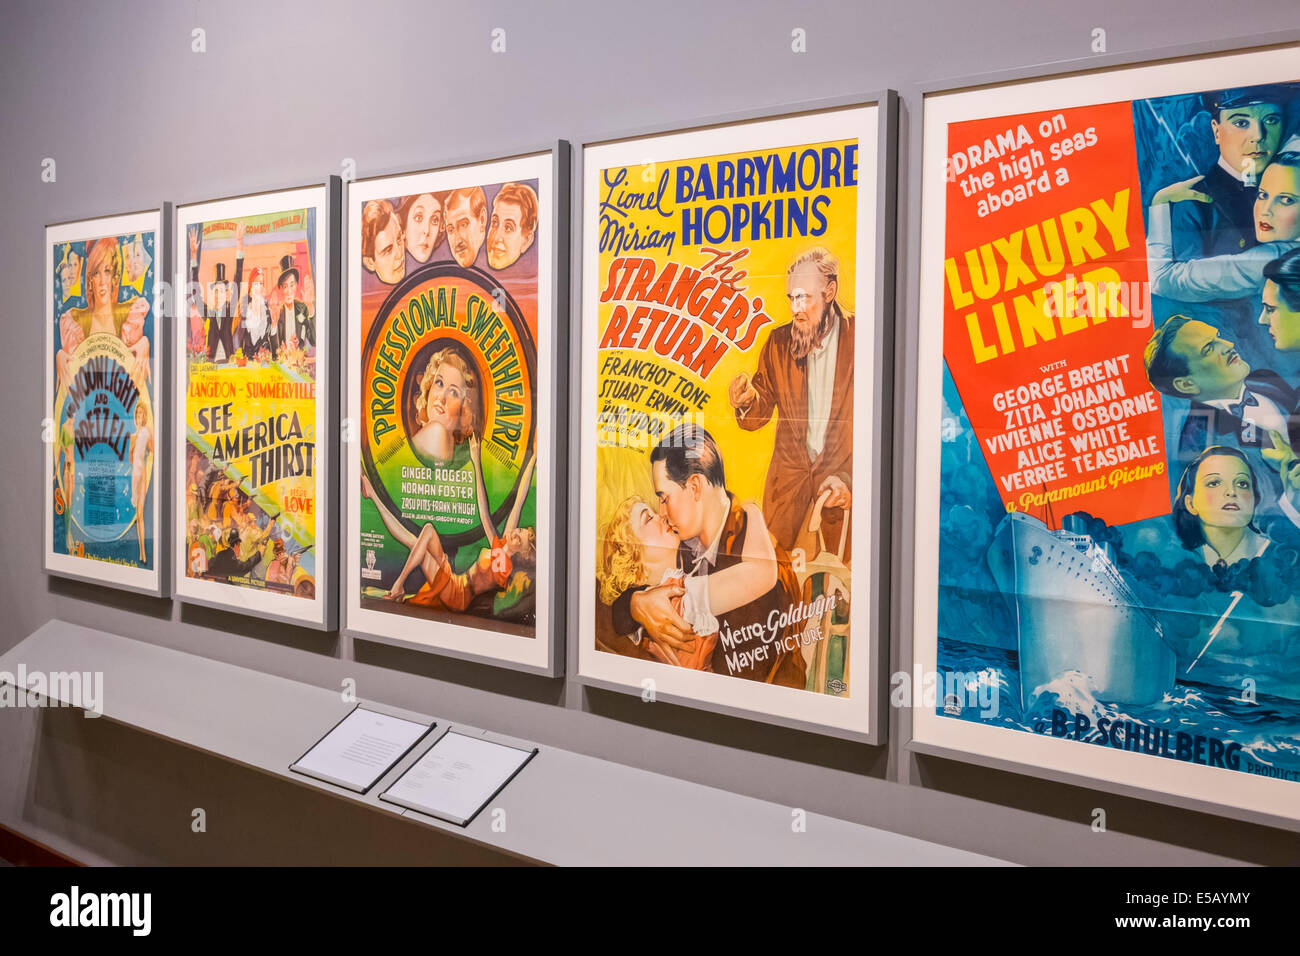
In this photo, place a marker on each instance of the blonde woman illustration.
(141, 455)
(66, 462)
(447, 406)
(639, 548)
(104, 314)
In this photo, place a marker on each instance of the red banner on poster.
(1044, 253)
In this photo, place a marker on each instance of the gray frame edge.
(560, 151)
(1107, 61)
(573, 407)
(333, 422)
(887, 152)
(160, 592)
(886, 319)
(370, 637)
(729, 710)
(774, 111)
(331, 212)
(1117, 788)
(164, 537)
(462, 159)
(162, 411)
(905, 445)
(256, 615)
(561, 336)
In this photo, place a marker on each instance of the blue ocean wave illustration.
(1266, 728)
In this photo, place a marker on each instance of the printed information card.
(360, 749)
(457, 776)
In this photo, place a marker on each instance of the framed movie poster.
(732, 406)
(256, 403)
(1107, 498)
(103, 380)
(456, 460)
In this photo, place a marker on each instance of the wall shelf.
(564, 808)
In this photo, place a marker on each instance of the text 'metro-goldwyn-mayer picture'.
(1108, 467)
(102, 367)
(450, 347)
(726, 429)
(252, 452)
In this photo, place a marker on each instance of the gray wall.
(286, 92)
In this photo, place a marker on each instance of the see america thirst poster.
(1108, 489)
(102, 491)
(726, 427)
(252, 351)
(450, 342)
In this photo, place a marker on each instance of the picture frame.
(848, 703)
(423, 573)
(256, 385)
(1110, 711)
(98, 469)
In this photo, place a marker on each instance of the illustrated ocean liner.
(1075, 612)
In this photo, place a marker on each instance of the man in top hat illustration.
(217, 309)
(295, 316)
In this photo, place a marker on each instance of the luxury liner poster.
(1118, 480)
(724, 490)
(103, 429)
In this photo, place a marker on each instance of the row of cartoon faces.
(418, 223)
(106, 274)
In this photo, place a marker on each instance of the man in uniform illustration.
(1247, 125)
(1219, 217)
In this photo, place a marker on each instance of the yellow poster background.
(692, 282)
(257, 394)
(623, 472)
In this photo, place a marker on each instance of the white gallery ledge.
(563, 808)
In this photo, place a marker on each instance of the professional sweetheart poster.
(253, 346)
(447, 277)
(721, 423)
(1118, 558)
(103, 422)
